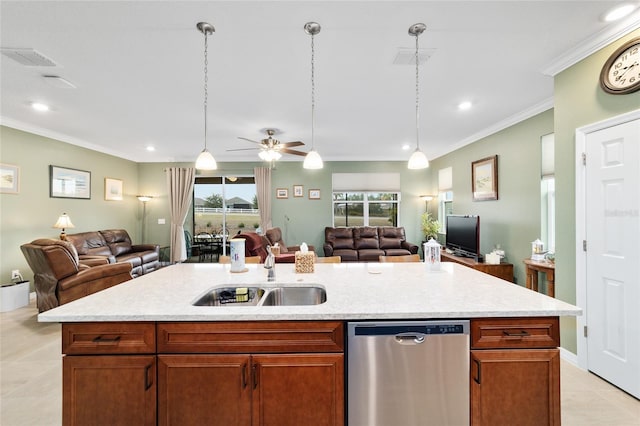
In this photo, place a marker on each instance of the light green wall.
(513, 221)
(579, 101)
(31, 213)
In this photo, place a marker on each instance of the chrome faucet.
(269, 263)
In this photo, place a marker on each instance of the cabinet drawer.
(499, 333)
(108, 338)
(251, 337)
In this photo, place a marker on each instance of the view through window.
(225, 206)
(365, 208)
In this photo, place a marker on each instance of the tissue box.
(492, 258)
(304, 262)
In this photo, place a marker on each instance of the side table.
(548, 268)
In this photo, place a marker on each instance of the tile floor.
(31, 380)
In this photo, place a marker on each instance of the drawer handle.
(244, 375)
(106, 340)
(522, 333)
(147, 378)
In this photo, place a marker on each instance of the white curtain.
(263, 188)
(180, 182)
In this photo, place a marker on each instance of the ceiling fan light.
(276, 155)
(206, 161)
(312, 160)
(418, 160)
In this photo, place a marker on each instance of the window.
(445, 208)
(366, 208)
(548, 192)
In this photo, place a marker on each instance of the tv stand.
(502, 270)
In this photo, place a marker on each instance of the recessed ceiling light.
(39, 106)
(619, 12)
(406, 147)
(151, 148)
(465, 105)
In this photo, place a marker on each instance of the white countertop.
(355, 291)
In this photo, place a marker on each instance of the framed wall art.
(298, 191)
(484, 179)
(282, 193)
(9, 179)
(69, 183)
(112, 189)
(314, 194)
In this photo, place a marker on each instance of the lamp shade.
(206, 161)
(64, 221)
(312, 160)
(418, 160)
(145, 198)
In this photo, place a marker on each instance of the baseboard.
(32, 296)
(569, 356)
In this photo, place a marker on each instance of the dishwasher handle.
(410, 338)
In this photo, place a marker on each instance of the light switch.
(161, 222)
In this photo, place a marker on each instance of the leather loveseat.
(366, 243)
(59, 277)
(114, 246)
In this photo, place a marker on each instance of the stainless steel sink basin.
(230, 296)
(295, 296)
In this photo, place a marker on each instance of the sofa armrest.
(96, 260)
(328, 249)
(413, 248)
(118, 272)
(145, 247)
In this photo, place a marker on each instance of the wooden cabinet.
(115, 389)
(501, 270)
(515, 371)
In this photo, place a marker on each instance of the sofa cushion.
(391, 237)
(397, 252)
(346, 255)
(369, 255)
(90, 243)
(339, 238)
(118, 241)
(366, 237)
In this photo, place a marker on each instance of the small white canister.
(432, 255)
(237, 254)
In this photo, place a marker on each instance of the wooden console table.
(501, 270)
(533, 267)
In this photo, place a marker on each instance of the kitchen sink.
(295, 296)
(230, 296)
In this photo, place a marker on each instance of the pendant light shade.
(418, 159)
(205, 160)
(313, 159)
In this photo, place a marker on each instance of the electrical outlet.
(15, 274)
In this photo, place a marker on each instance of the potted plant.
(430, 226)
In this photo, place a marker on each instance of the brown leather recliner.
(59, 277)
(274, 235)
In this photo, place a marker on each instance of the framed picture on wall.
(484, 179)
(282, 193)
(112, 189)
(314, 194)
(69, 183)
(298, 191)
(9, 179)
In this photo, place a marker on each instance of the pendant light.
(313, 159)
(417, 160)
(205, 160)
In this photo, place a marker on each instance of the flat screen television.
(463, 236)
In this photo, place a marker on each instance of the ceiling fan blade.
(249, 140)
(292, 144)
(293, 151)
(243, 149)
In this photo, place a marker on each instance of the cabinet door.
(109, 390)
(515, 387)
(204, 390)
(299, 389)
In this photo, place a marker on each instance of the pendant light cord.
(206, 80)
(313, 90)
(417, 98)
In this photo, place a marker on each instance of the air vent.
(28, 57)
(406, 56)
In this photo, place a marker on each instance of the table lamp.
(64, 221)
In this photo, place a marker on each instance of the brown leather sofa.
(366, 243)
(59, 277)
(114, 246)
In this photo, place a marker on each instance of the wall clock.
(621, 73)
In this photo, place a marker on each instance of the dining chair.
(406, 258)
(329, 259)
(247, 259)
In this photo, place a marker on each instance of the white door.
(612, 178)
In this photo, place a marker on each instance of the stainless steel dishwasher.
(408, 373)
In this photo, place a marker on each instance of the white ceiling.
(138, 68)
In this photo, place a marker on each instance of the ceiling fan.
(272, 149)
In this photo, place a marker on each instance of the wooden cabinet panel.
(300, 389)
(496, 333)
(251, 337)
(109, 390)
(108, 338)
(515, 387)
(197, 390)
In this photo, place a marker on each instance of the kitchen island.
(164, 361)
